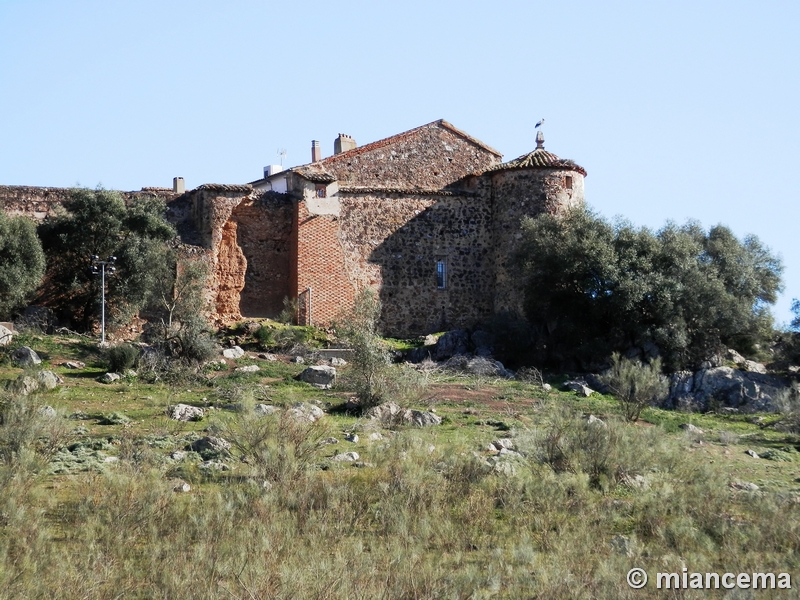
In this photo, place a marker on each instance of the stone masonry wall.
(517, 194)
(38, 203)
(431, 157)
(393, 242)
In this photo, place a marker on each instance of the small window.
(568, 182)
(441, 274)
(321, 191)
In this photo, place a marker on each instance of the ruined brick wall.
(392, 243)
(431, 157)
(264, 235)
(516, 194)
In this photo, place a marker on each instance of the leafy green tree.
(593, 288)
(22, 262)
(796, 310)
(99, 222)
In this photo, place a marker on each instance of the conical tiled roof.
(540, 158)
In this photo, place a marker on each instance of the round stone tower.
(535, 183)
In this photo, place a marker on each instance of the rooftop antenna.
(282, 154)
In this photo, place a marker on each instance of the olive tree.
(100, 222)
(592, 288)
(22, 262)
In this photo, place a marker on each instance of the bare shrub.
(636, 385)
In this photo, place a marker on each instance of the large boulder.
(303, 411)
(25, 357)
(451, 344)
(233, 353)
(211, 447)
(320, 376)
(747, 391)
(23, 385)
(185, 412)
(390, 413)
(6, 335)
(48, 380)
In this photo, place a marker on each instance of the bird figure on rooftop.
(539, 124)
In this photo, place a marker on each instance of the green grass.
(424, 517)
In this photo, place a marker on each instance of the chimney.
(316, 151)
(343, 143)
(178, 185)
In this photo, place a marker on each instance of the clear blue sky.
(678, 110)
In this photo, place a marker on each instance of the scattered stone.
(492, 448)
(321, 376)
(346, 457)
(329, 441)
(504, 467)
(579, 386)
(264, 410)
(547, 387)
(507, 452)
(233, 353)
(338, 362)
(48, 412)
(506, 443)
(23, 385)
(248, 369)
(362, 465)
(25, 357)
(211, 447)
(755, 367)
(268, 356)
(214, 465)
(298, 360)
(592, 420)
(74, 364)
(182, 487)
(48, 380)
(424, 418)
(375, 436)
(744, 486)
(178, 455)
(79, 416)
(752, 453)
(185, 412)
(110, 378)
(691, 429)
(306, 412)
(111, 459)
(353, 437)
(6, 335)
(749, 391)
(621, 544)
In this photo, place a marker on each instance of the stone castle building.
(429, 218)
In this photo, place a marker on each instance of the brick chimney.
(316, 151)
(343, 143)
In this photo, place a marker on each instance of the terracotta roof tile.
(539, 158)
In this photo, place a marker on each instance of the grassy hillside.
(92, 502)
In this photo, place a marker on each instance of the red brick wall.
(319, 263)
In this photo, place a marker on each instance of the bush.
(21, 262)
(122, 357)
(635, 385)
